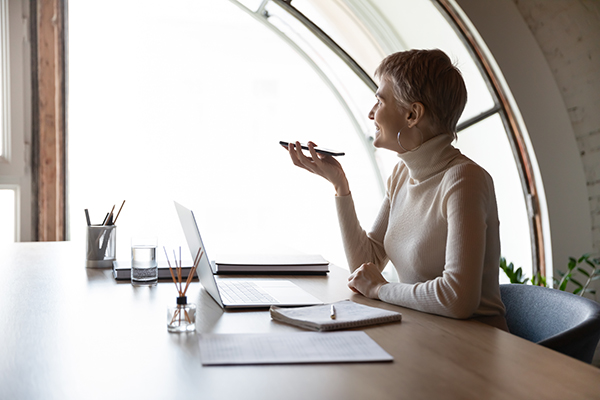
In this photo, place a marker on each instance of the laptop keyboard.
(243, 292)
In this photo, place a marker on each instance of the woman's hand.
(323, 165)
(366, 280)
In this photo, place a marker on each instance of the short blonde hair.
(428, 77)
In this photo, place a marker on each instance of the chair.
(558, 320)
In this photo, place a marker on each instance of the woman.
(438, 223)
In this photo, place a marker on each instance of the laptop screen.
(194, 241)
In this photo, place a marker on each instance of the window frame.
(15, 168)
(502, 106)
(261, 15)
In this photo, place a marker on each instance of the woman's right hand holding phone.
(323, 165)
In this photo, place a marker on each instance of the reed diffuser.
(182, 317)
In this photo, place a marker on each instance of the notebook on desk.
(122, 270)
(239, 293)
(271, 264)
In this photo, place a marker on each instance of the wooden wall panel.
(49, 107)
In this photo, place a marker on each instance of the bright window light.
(7, 216)
(251, 4)
(339, 21)
(190, 106)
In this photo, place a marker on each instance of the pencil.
(108, 216)
(119, 212)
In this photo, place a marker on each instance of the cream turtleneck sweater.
(438, 225)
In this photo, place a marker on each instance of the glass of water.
(144, 268)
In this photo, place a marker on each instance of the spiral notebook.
(348, 314)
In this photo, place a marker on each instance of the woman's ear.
(415, 113)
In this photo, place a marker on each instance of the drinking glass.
(144, 268)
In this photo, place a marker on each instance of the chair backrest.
(558, 320)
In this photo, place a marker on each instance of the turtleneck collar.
(432, 157)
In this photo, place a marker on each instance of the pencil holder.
(182, 317)
(101, 246)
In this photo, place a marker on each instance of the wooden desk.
(73, 333)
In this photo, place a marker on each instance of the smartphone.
(321, 150)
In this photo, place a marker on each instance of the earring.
(416, 148)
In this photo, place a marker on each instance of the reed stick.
(180, 272)
(178, 278)
(177, 272)
(171, 269)
(193, 270)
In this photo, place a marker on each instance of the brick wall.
(568, 33)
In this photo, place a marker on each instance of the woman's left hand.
(366, 280)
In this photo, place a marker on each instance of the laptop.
(239, 293)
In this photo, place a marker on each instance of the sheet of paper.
(290, 348)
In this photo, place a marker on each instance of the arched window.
(361, 33)
(188, 103)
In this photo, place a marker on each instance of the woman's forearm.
(359, 246)
(342, 188)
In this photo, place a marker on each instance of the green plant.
(581, 265)
(509, 270)
(539, 280)
(585, 265)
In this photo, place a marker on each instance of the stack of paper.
(291, 264)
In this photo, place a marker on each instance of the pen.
(87, 217)
(332, 312)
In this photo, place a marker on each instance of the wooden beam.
(50, 110)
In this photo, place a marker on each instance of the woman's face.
(388, 118)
